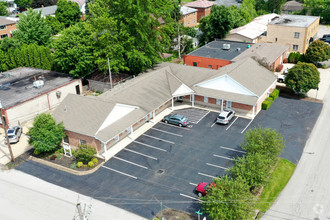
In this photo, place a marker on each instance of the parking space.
(164, 165)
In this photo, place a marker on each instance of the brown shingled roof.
(200, 4)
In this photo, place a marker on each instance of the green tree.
(264, 141)
(23, 3)
(68, 12)
(303, 77)
(3, 9)
(128, 32)
(248, 7)
(42, 3)
(32, 28)
(274, 6)
(318, 8)
(74, 51)
(253, 168)
(46, 135)
(228, 199)
(55, 24)
(317, 51)
(87, 7)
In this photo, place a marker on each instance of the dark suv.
(176, 120)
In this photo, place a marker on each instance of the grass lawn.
(278, 180)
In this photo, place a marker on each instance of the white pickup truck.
(281, 78)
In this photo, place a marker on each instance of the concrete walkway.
(29, 198)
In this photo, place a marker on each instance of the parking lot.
(161, 168)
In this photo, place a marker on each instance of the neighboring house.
(82, 5)
(253, 31)
(292, 6)
(189, 16)
(215, 54)
(104, 120)
(272, 54)
(203, 7)
(27, 92)
(7, 26)
(45, 11)
(297, 31)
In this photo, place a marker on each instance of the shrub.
(279, 68)
(294, 57)
(275, 94)
(266, 104)
(53, 157)
(80, 164)
(270, 99)
(90, 164)
(84, 153)
(36, 152)
(95, 160)
(301, 95)
(285, 60)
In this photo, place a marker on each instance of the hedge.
(274, 94)
(266, 104)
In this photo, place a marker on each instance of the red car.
(201, 189)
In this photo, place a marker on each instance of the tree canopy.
(74, 51)
(23, 3)
(3, 9)
(32, 28)
(42, 3)
(68, 12)
(318, 8)
(46, 135)
(317, 51)
(303, 77)
(55, 24)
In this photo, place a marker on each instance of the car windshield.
(10, 132)
(11, 136)
(221, 117)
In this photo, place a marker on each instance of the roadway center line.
(203, 116)
(118, 158)
(179, 135)
(231, 123)
(147, 145)
(212, 165)
(190, 197)
(227, 148)
(158, 138)
(174, 126)
(134, 177)
(154, 158)
(203, 174)
(247, 126)
(223, 157)
(194, 184)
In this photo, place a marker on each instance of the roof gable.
(182, 90)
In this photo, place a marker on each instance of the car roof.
(224, 113)
(177, 116)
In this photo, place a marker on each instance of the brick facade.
(205, 62)
(7, 31)
(74, 140)
(189, 20)
(203, 12)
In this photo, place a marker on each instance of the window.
(194, 63)
(229, 105)
(66, 139)
(296, 34)
(206, 99)
(3, 36)
(210, 66)
(275, 39)
(218, 101)
(3, 27)
(82, 142)
(295, 47)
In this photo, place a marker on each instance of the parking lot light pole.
(6, 134)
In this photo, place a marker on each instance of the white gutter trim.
(274, 83)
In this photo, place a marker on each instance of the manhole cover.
(160, 171)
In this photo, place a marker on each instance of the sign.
(67, 150)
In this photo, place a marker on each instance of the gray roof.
(186, 10)
(292, 6)
(215, 49)
(49, 10)
(6, 21)
(268, 51)
(294, 20)
(16, 86)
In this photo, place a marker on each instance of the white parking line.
(213, 124)
(203, 174)
(154, 158)
(134, 177)
(227, 148)
(194, 184)
(118, 158)
(158, 138)
(231, 123)
(190, 197)
(228, 158)
(212, 165)
(203, 116)
(175, 126)
(179, 135)
(147, 145)
(247, 126)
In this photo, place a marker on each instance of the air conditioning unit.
(226, 46)
(38, 84)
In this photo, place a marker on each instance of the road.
(307, 195)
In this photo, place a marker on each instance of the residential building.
(297, 31)
(7, 26)
(253, 31)
(215, 54)
(271, 54)
(203, 7)
(189, 16)
(292, 6)
(27, 92)
(103, 121)
(45, 11)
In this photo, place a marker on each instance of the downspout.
(48, 101)
(104, 144)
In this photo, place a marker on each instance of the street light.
(6, 134)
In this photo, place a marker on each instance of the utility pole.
(110, 73)
(6, 134)
(179, 41)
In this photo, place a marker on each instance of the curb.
(65, 169)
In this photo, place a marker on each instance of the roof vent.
(248, 46)
(238, 49)
(226, 46)
(38, 84)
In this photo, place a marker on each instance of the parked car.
(14, 134)
(281, 78)
(326, 38)
(176, 120)
(225, 116)
(202, 188)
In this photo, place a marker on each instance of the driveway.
(161, 168)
